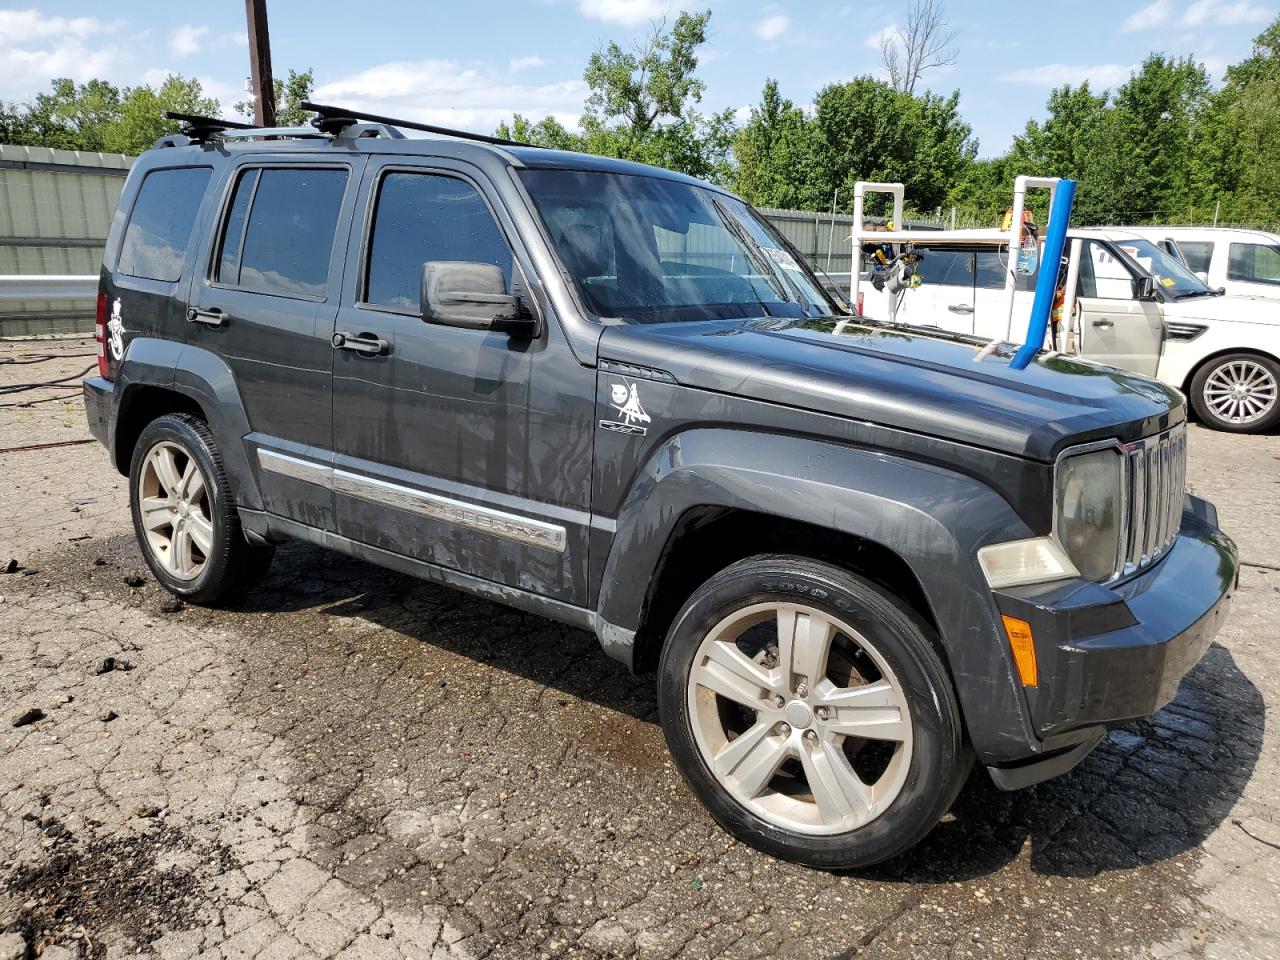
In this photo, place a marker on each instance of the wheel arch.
(1200, 364)
(921, 524)
(160, 377)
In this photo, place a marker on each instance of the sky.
(470, 65)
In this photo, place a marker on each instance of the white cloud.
(27, 25)
(1100, 76)
(185, 40)
(884, 33)
(1215, 13)
(526, 63)
(631, 13)
(479, 97)
(1149, 17)
(35, 48)
(771, 28)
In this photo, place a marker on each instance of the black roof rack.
(200, 129)
(334, 120)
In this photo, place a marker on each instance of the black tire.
(1211, 417)
(939, 761)
(232, 563)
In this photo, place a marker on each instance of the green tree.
(866, 130)
(289, 94)
(98, 116)
(774, 154)
(642, 106)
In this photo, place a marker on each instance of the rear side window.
(155, 241)
(1197, 253)
(1254, 262)
(278, 234)
(422, 217)
(951, 268)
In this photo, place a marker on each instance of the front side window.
(422, 217)
(1197, 253)
(155, 241)
(278, 234)
(652, 250)
(1254, 263)
(1103, 274)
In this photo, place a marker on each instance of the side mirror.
(458, 293)
(1146, 287)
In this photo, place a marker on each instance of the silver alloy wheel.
(784, 723)
(1241, 391)
(176, 514)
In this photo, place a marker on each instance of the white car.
(1136, 308)
(1244, 263)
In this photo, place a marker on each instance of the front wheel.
(1239, 393)
(184, 516)
(810, 712)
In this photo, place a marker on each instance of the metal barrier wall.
(55, 209)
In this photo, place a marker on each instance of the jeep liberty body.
(612, 395)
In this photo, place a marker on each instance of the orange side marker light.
(1024, 649)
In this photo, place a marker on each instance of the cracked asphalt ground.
(352, 763)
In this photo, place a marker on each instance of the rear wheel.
(1238, 392)
(810, 712)
(184, 516)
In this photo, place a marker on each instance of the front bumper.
(1111, 654)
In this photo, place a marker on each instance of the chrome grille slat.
(1154, 482)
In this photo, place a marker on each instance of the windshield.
(1177, 280)
(651, 250)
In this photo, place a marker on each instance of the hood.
(909, 378)
(1230, 308)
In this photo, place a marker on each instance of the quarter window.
(278, 235)
(155, 242)
(422, 217)
(1254, 263)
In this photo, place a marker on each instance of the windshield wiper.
(756, 254)
(1197, 293)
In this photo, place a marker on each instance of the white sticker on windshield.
(782, 258)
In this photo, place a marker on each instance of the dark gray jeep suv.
(858, 556)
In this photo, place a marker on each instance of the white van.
(1244, 263)
(1136, 307)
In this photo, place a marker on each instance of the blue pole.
(1055, 240)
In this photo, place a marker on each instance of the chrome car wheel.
(175, 513)
(1241, 391)
(799, 718)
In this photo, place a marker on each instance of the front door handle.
(1103, 324)
(960, 308)
(210, 318)
(362, 343)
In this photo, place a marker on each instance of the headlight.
(1089, 505)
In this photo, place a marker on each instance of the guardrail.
(48, 287)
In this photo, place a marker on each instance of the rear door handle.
(362, 343)
(1103, 324)
(960, 308)
(210, 318)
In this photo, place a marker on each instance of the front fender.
(933, 518)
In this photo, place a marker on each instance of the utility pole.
(264, 99)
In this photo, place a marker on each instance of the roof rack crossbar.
(334, 119)
(208, 123)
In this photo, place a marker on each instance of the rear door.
(1115, 326)
(945, 295)
(266, 305)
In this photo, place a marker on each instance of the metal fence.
(55, 209)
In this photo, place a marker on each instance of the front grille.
(1155, 475)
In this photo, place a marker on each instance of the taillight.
(100, 335)
(859, 304)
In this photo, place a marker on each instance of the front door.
(1115, 326)
(265, 305)
(467, 449)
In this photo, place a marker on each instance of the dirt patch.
(138, 886)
